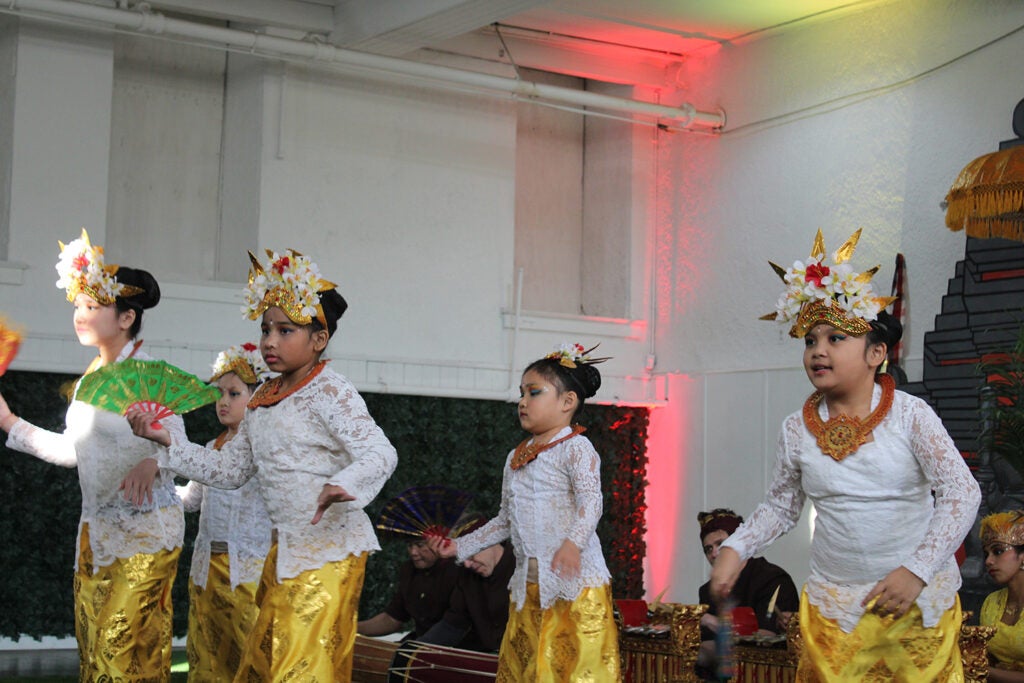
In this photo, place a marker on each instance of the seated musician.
(755, 587)
(425, 586)
(478, 613)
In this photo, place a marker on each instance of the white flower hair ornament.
(570, 355)
(244, 360)
(291, 282)
(82, 270)
(832, 294)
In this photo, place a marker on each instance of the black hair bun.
(888, 327)
(588, 377)
(136, 277)
(334, 306)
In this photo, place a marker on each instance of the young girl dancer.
(893, 496)
(561, 627)
(127, 552)
(319, 459)
(233, 538)
(1002, 537)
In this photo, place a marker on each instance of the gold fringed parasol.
(988, 197)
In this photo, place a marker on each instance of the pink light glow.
(666, 491)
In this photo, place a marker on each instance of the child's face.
(541, 407)
(96, 323)
(287, 346)
(837, 361)
(234, 395)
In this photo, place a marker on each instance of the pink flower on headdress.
(81, 263)
(249, 346)
(816, 272)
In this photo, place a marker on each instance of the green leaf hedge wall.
(457, 442)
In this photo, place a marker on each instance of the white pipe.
(683, 116)
(512, 383)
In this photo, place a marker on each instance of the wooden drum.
(372, 659)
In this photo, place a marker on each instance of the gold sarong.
(219, 622)
(568, 641)
(880, 648)
(306, 628)
(123, 616)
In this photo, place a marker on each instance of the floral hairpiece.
(291, 282)
(81, 270)
(1003, 527)
(833, 294)
(571, 355)
(244, 360)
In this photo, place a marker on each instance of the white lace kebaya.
(104, 449)
(876, 509)
(238, 518)
(320, 434)
(555, 497)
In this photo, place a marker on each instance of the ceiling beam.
(308, 16)
(398, 27)
(571, 56)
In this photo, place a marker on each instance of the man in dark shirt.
(425, 586)
(757, 584)
(478, 613)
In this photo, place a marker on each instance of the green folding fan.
(152, 385)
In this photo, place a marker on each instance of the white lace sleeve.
(783, 502)
(957, 494)
(492, 533)
(228, 468)
(373, 457)
(191, 495)
(585, 474)
(51, 447)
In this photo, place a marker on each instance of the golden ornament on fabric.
(842, 435)
(527, 452)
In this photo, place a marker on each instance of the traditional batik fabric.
(1007, 645)
(571, 640)
(220, 617)
(123, 615)
(306, 628)
(880, 649)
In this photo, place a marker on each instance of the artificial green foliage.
(458, 442)
(1003, 433)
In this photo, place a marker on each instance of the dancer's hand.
(330, 495)
(566, 562)
(895, 593)
(138, 483)
(143, 421)
(444, 547)
(724, 573)
(7, 418)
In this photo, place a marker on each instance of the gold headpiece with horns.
(1003, 527)
(244, 360)
(82, 270)
(832, 294)
(291, 282)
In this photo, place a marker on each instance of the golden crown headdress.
(291, 282)
(832, 294)
(82, 270)
(1003, 527)
(244, 360)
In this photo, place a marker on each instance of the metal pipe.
(683, 116)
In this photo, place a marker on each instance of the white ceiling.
(618, 41)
